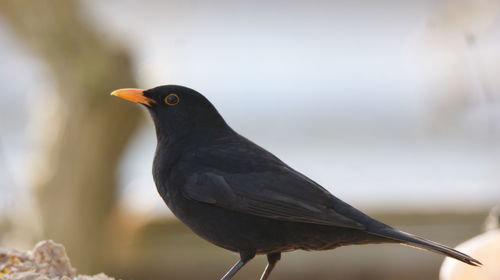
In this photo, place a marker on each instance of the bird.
(238, 196)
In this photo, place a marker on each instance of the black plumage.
(239, 196)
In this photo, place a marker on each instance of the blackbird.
(241, 197)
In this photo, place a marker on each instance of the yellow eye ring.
(172, 99)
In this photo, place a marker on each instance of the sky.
(340, 90)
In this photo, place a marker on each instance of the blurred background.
(393, 106)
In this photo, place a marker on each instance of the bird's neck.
(198, 133)
(171, 146)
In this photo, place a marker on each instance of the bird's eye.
(172, 99)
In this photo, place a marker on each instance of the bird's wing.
(260, 184)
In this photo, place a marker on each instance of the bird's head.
(176, 110)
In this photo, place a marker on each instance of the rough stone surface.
(47, 261)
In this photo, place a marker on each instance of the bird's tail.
(421, 243)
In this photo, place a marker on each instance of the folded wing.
(279, 193)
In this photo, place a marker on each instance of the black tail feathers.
(421, 243)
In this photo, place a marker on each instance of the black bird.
(241, 197)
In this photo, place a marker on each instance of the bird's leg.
(272, 260)
(245, 256)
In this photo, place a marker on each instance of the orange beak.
(133, 94)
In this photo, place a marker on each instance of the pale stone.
(47, 261)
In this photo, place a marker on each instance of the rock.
(100, 276)
(47, 261)
(26, 275)
(51, 260)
